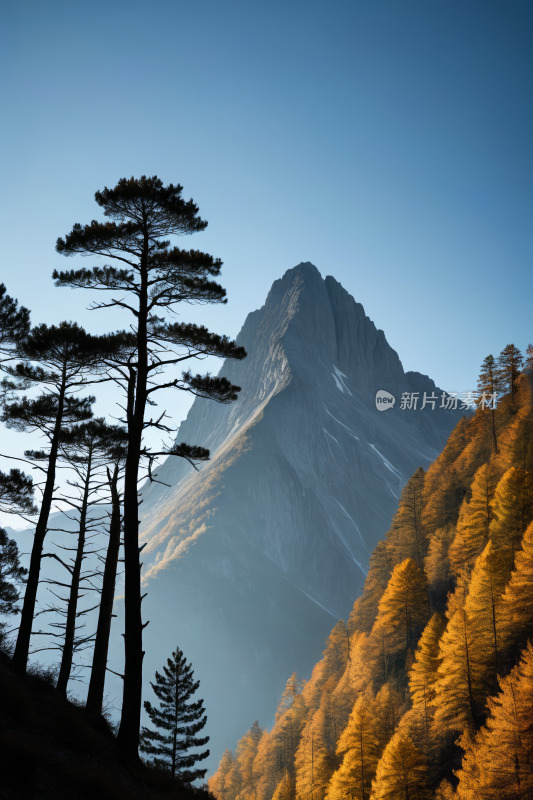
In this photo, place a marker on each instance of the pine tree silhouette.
(179, 720)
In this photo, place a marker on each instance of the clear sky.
(389, 142)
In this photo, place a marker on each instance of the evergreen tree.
(404, 608)
(360, 749)
(512, 508)
(11, 575)
(63, 359)
(86, 448)
(459, 689)
(517, 601)
(336, 652)
(285, 790)
(379, 572)
(489, 383)
(14, 327)
(268, 767)
(406, 537)
(16, 489)
(510, 363)
(246, 753)
(179, 719)
(354, 680)
(444, 486)
(437, 564)
(498, 762)
(529, 357)
(402, 772)
(315, 758)
(473, 525)
(293, 687)
(217, 782)
(483, 607)
(151, 278)
(424, 672)
(16, 492)
(387, 709)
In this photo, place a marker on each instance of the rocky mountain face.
(250, 561)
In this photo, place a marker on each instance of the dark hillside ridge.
(53, 750)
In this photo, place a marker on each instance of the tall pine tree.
(149, 278)
(63, 359)
(489, 385)
(510, 362)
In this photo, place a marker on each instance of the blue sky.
(387, 142)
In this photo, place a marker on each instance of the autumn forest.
(427, 690)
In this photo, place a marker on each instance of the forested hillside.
(427, 691)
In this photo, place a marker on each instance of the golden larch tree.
(424, 672)
(388, 708)
(483, 608)
(517, 601)
(512, 508)
(359, 748)
(473, 525)
(355, 678)
(315, 758)
(406, 538)
(404, 608)
(402, 772)
(267, 769)
(217, 782)
(437, 562)
(285, 790)
(246, 752)
(498, 762)
(459, 691)
(365, 609)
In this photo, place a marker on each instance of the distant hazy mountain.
(250, 560)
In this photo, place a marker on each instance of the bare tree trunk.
(70, 626)
(95, 696)
(22, 648)
(130, 721)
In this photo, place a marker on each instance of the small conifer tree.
(490, 382)
(179, 719)
(510, 363)
(11, 575)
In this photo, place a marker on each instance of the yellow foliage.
(517, 601)
(512, 508)
(483, 608)
(404, 607)
(402, 772)
(424, 672)
(359, 747)
(473, 525)
(498, 762)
